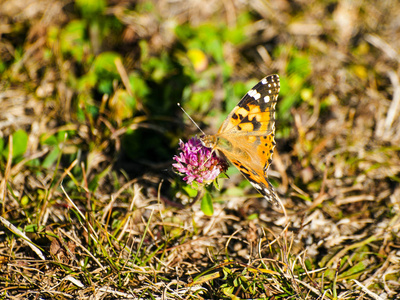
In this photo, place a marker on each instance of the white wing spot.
(254, 94)
(251, 93)
(266, 99)
(257, 186)
(267, 191)
(264, 81)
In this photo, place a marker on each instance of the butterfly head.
(208, 141)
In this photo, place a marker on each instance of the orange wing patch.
(266, 149)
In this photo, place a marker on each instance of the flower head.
(198, 162)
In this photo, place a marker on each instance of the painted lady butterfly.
(246, 137)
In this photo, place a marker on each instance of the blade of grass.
(81, 214)
(19, 233)
(6, 173)
(144, 235)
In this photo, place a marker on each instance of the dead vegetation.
(89, 205)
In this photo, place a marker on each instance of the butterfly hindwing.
(258, 180)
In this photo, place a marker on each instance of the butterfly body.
(246, 137)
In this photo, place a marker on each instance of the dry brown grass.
(97, 224)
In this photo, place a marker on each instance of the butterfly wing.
(246, 137)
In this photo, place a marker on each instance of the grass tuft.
(89, 123)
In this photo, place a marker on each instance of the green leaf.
(355, 270)
(20, 144)
(48, 140)
(228, 291)
(91, 8)
(104, 65)
(31, 228)
(207, 205)
(106, 71)
(1, 145)
(25, 200)
(73, 40)
(94, 184)
(51, 158)
(191, 192)
(252, 217)
(138, 85)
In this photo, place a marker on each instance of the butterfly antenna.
(190, 118)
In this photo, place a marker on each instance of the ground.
(90, 204)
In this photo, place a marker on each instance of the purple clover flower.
(198, 162)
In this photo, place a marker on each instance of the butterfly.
(246, 137)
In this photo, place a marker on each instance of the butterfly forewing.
(255, 113)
